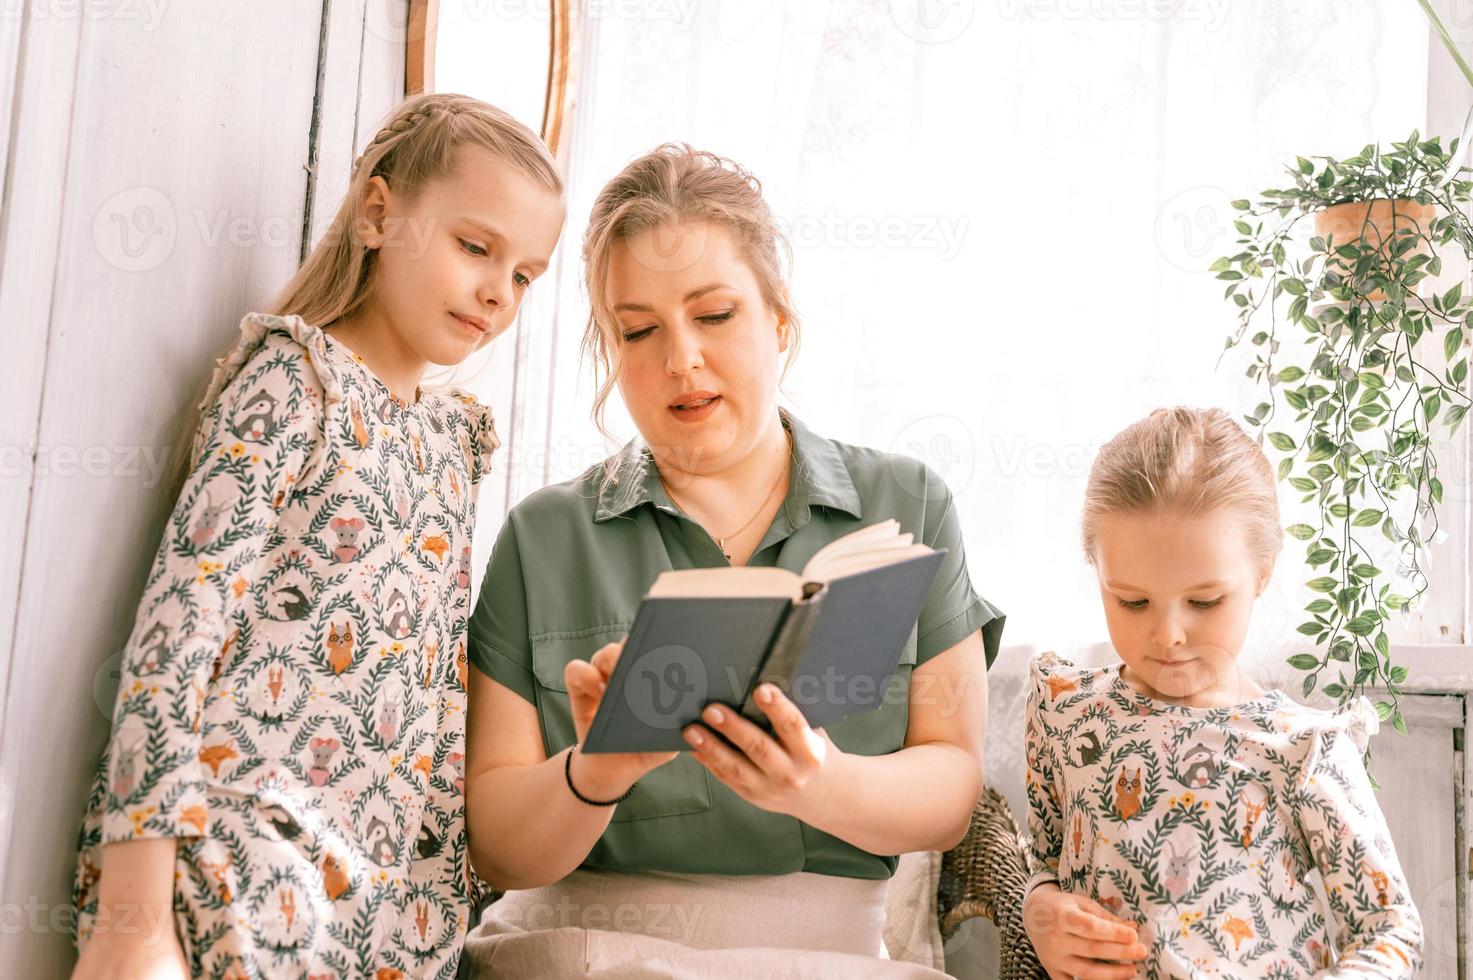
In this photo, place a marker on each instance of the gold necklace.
(721, 541)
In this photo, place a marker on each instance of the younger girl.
(1176, 808)
(282, 791)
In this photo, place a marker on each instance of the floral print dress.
(1203, 824)
(292, 699)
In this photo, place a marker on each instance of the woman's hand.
(602, 776)
(1075, 936)
(776, 774)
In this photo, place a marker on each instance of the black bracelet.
(568, 774)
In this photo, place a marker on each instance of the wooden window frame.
(419, 63)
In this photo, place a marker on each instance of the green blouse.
(567, 575)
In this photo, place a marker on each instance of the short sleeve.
(479, 440)
(952, 611)
(500, 644)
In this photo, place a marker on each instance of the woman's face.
(700, 345)
(1178, 593)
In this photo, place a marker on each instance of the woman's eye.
(1206, 603)
(1134, 603)
(472, 248)
(721, 317)
(632, 336)
(523, 281)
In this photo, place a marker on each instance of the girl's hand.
(602, 776)
(776, 774)
(144, 954)
(1075, 936)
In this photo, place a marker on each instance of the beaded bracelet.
(568, 774)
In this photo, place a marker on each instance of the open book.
(830, 638)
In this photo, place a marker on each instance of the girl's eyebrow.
(1122, 587)
(483, 227)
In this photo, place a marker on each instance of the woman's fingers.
(606, 657)
(725, 763)
(802, 743)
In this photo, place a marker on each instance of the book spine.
(783, 654)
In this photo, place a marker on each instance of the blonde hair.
(419, 143)
(672, 183)
(1198, 461)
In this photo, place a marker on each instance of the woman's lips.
(695, 407)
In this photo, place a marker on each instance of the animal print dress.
(1202, 824)
(292, 700)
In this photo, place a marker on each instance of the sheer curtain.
(1000, 213)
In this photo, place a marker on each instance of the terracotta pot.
(1373, 223)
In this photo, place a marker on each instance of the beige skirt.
(621, 926)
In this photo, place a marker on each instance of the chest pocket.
(681, 786)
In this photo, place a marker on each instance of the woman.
(760, 850)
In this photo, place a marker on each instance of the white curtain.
(1001, 213)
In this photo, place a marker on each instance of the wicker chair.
(984, 876)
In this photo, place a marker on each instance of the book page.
(870, 547)
(760, 582)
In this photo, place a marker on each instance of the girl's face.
(1178, 594)
(700, 345)
(454, 263)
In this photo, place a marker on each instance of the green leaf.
(1320, 606)
(1282, 442)
(1291, 373)
(1304, 661)
(1311, 629)
(1293, 287)
(1452, 342)
(1362, 625)
(1322, 584)
(1367, 518)
(1301, 531)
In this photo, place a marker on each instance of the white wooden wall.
(155, 159)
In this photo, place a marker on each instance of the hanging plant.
(1362, 368)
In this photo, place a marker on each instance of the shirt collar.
(820, 478)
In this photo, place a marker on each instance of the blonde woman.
(766, 852)
(280, 794)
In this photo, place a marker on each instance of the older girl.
(280, 795)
